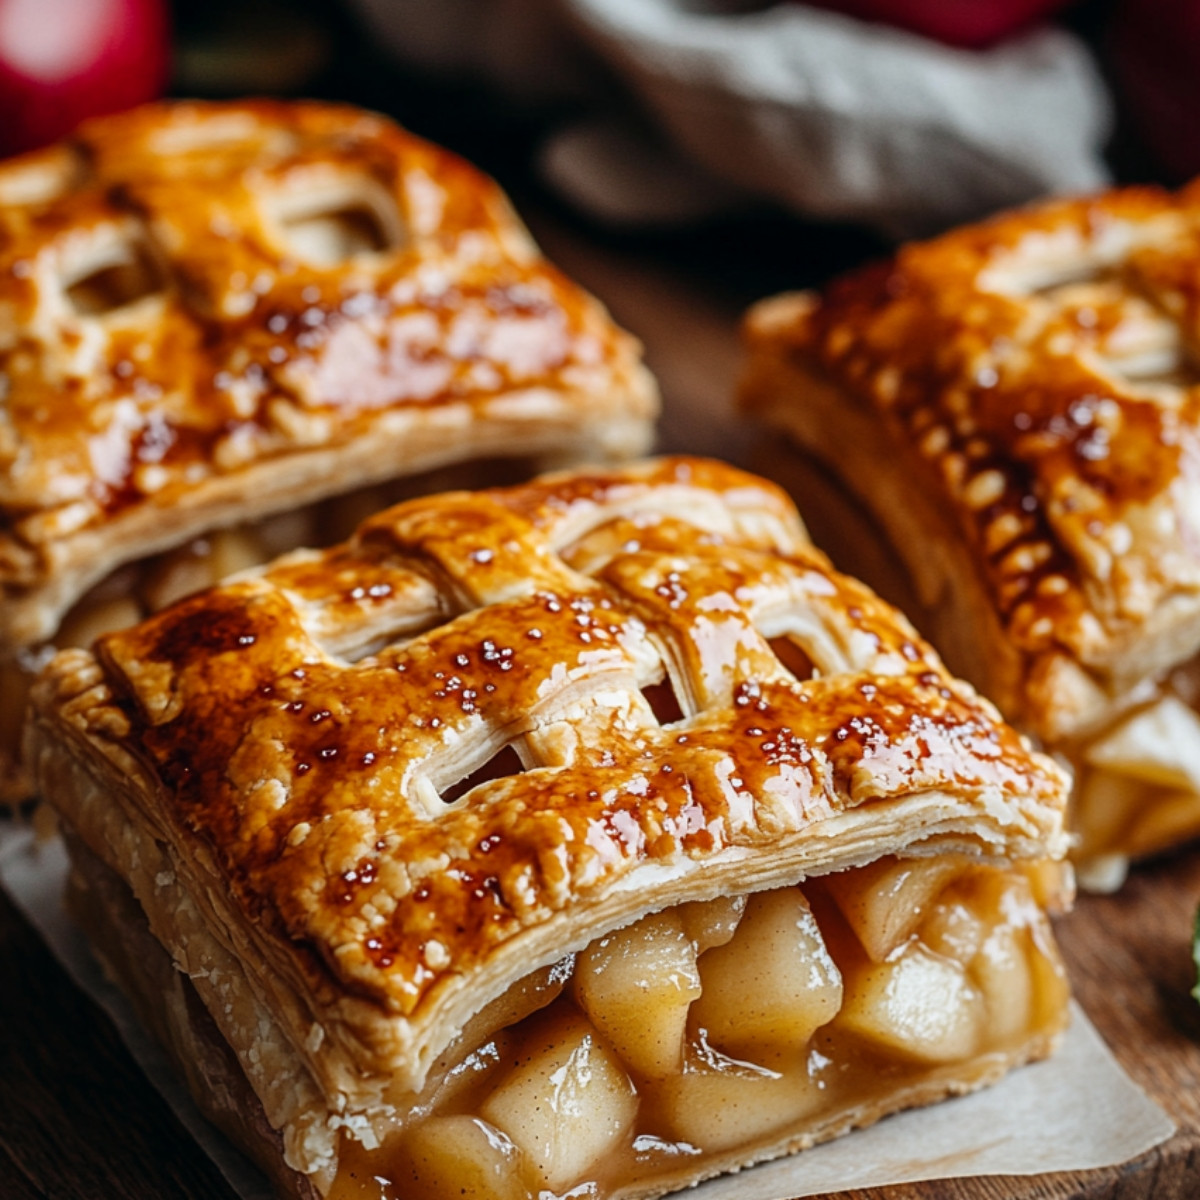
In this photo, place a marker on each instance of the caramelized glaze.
(1042, 367)
(303, 723)
(193, 290)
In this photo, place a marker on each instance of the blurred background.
(765, 145)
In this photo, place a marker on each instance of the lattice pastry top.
(214, 311)
(300, 737)
(1039, 369)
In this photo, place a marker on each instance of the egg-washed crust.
(1034, 377)
(182, 346)
(286, 739)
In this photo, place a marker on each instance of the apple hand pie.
(1016, 405)
(215, 314)
(588, 835)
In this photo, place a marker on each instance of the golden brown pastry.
(217, 312)
(1016, 404)
(590, 833)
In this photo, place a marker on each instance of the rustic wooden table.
(79, 1122)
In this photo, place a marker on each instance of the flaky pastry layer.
(294, 771)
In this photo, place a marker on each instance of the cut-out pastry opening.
(330, 237)
(793, 658)
(117, 276)
(501, 765)
(1064, 283)
(714, 1026)
(1022, 274)
(40, 178)
(337, 224)
(1135, 340)
(1164, 363)
(216, 131)
(663, 701)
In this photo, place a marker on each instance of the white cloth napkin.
(691, 109)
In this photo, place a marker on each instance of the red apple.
(63, 60)
(967, 23)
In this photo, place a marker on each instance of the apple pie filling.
(731, 1025)
(1138, 782)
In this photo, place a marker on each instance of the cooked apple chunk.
(636, 986)
(1002, 971)
(1159, 744)
(460, 1156)
(917, 1005)
(87, 621)
(716, 1103)
(773, 984)
(1138, 787)
(566, 1102)
(712, 923)
(1004, 966)
(886, 901)
(1173, 817)
(953, 928)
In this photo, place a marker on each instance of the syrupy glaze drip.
(805, 1085)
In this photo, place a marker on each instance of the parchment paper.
(1076, 1111)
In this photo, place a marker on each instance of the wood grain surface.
(79, 1122)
